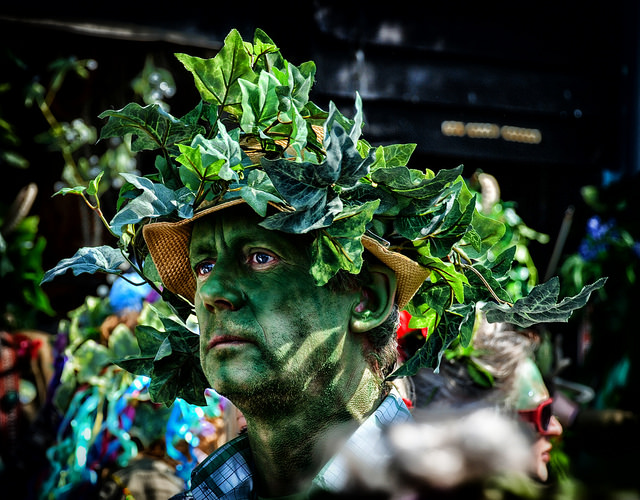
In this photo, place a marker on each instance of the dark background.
(567, 69)
(564, 68)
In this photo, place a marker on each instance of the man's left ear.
(376, 300)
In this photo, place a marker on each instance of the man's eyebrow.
(199, 248)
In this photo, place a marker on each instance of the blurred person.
(498, 370)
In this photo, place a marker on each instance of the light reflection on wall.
(479, 130)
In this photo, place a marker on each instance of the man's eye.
(261, 258)
(204, 268)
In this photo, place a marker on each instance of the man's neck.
(290, 448)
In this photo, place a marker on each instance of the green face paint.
(268, 333)
(529, 388)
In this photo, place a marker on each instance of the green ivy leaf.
(479, 278)
(340, 245)
(259, 191)
(259, 103)
(500, 265)
(394, 155)
(266, 53)
(414, 183)
(171, 360)
(311, 189)
(446, 273)
(152, 127)
(155, 200)
(209, 160)
(92, 188)
(454, 226)
(455, 323)
(217, 79)
(74, 190)
(89, 260)
(90, 359)
(122, 342)
(541, 306)
(484, 233)
(296, 83)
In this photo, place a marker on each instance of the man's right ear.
(376, 300)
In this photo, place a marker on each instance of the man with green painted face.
(306, 364)
(296, 242)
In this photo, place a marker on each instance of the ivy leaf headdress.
(256, 136)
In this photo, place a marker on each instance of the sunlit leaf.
(217, 79)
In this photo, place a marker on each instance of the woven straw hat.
(168, 244)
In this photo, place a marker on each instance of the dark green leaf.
(413, 183)
(481, 282)
(453, 228)
(171, 359)
(340, 245)
(152, 126)
(541, 306)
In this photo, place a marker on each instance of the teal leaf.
(155, 200)
(343, 157)
(89, 260)
(316, 216)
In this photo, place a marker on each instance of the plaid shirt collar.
(228, 472)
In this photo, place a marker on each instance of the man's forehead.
(240, 224)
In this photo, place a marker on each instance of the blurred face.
(534, 407)
(269, 337)
(541, 448)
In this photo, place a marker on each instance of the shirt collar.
(228, 472)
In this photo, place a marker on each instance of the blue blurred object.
(125, 296)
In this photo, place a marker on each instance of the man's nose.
(220, 290)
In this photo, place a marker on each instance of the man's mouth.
(220, 341)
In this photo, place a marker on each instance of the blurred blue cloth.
(125, 296)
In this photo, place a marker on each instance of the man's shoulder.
(229, 468)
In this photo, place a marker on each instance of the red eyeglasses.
(540, 416)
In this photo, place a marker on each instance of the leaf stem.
(486, 284)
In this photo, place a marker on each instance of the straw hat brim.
(168, 244)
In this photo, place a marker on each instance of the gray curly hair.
(498, 349)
